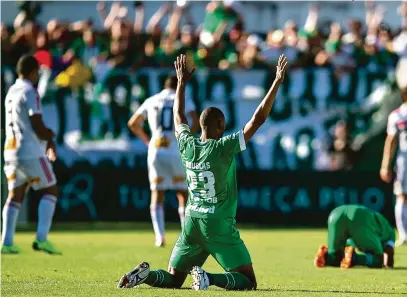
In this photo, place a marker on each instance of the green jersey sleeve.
(184, 137)
(232, 144)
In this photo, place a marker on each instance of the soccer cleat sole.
(198, 276)
(319, 260)
(132, 278)
(346, 262)
(123, 282)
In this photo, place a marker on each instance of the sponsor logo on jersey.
(201, 209)
(11, 144)
(162, 142)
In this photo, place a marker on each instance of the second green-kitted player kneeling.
(357, 235)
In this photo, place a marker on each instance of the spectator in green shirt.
(217, 18)
(214, 57)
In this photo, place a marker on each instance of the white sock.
(398, 210)
(404, 218)
(181, 213)
(160, 219)
(157, 218)
(46, 209)
(10, 215)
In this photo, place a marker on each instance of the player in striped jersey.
(165, 170)
(397, 137)
(27, 151)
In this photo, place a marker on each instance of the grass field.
(93, 262)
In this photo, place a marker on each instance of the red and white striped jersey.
(22, 101)
(397, 125)
(158, 110)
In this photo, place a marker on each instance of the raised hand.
(183, 72)
(281, 68)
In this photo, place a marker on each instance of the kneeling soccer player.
(355, 227)
(209, 227)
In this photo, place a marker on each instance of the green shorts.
(203, 237)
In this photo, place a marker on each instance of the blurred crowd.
(220, 42)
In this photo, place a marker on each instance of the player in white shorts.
(26, 163)
(165, 169)
(397, 134)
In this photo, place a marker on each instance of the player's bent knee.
(253, 283)
(248, 271)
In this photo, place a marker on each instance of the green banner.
(91, 122)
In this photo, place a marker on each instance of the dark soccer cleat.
(135, 277)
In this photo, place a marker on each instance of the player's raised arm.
(194, 125)
(263, 110)
(183, 75)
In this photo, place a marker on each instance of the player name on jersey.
(198, 166)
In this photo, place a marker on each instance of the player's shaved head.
(212, 122)
(26, 65)
(171, 82)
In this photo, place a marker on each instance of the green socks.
(369, 260)
(230, 281)
(350, 242)
(333, 259)
(160, 278)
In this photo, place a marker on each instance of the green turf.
(93, 262)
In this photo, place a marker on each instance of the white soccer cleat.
(200, 279)
(135, 277)
(160, 243)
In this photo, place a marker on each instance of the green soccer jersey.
(211, 173)
(357, 215)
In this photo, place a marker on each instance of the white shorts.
(165, 171)
(400, 183)
(38, 173)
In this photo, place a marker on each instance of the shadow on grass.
(328, 291)
(400, 268)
